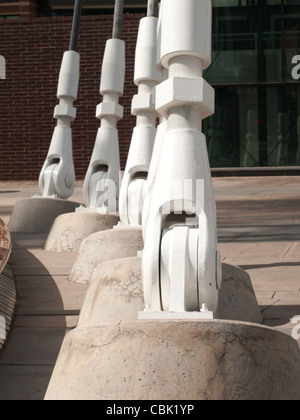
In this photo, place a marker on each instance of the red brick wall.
(33, 50)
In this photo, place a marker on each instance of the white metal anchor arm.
(104, 168)
(57, 176)
(133, 188)
(101, 185)
(181, 263)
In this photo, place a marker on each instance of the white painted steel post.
(181, 263)
(101, 185)
(57, 177)
(161, 128)
(147, 76)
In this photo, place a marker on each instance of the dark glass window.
(255, 48)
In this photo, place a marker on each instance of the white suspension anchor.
(101, 185)
(133, 188)
(181, 263)
(57, 177)
(161, 129)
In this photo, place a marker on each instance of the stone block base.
(69, 230)
(36, 215)
(176, 360)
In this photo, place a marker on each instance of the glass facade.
(256, 75)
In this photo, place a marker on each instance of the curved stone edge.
(237, 299)
(7, 284)
(102, 247)
(5, 245)
(37, 215)
(8, 298)
(69, 230)
(176, 360)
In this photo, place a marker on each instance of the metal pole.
(118, 19)
(75, 25)
(152, 8)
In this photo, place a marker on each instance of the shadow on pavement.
(38, 329)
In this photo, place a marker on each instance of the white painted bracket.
(181, 264)
(57, 177)
(133, 188)
(101, 185)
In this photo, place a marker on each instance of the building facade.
(255, 72)
(12, 9)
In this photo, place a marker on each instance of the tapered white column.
(101, 185)
(57, 177)
(181, 264)
(147, 76)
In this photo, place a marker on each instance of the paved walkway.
(259, 229)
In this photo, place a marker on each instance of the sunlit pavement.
(259, 230)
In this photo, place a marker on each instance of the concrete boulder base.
(69, 230)
(113, 356)
(115, 293)
(105, 246)
(36, 215)
(176, 360)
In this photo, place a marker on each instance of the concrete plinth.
(36, 215)
(113, 356)
(116, 294)
(105, 246)
(176, 360)
(69, 230)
